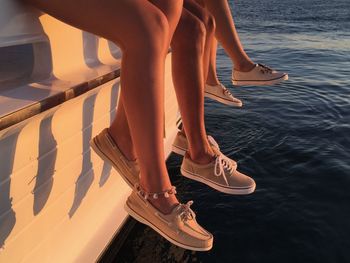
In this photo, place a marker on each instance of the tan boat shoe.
(105, 147)
(220, 174)
(260, 75)
(221, 94)
(180, 146)
(179, 227)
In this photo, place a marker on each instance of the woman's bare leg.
(119, 129)
(168, 8)
(209, 25)
(190, 45)
(227, 35)
(245, 71)
(120, 132)
(212, 76)
(136, 26)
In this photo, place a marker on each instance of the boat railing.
(44, 62)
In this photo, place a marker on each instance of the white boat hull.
(59, 202)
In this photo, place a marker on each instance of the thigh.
(122, 21)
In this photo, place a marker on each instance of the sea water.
(292, 138)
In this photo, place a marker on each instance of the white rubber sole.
(259, 83)
(223, 101)
(142, 220)
(178, 150)
(226, 190)
(109, 161)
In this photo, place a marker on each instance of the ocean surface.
(292, 138)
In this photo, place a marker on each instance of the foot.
(164, 205)
(180, 146)
(179, 226)
(105, 147)
(259, 75)
(244, 65)
(221, 174)
(124, 146)
(204, 152)
(203, 156)
(221, 94)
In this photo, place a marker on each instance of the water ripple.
(292, 138)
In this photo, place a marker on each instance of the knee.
(207, 19)
(152, 36)
(190, 34)
(209, 22)
(155, 35)
(159, 26)
(196, 30)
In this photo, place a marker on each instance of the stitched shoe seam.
(232, 187)
(224, 98)
(114, 164)
(259, 80)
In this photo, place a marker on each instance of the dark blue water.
(293, 138)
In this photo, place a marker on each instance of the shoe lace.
(265, 69)
(223, 163)
(186, 213)
(226, 91)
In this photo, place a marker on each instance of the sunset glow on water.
(292, 138)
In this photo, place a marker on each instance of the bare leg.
(167, 7)
(209, 25)
(227, 34)
(191, 45)
(135, 26)
(120, 132)
(212, 76)
(188, 45)
(119, 128)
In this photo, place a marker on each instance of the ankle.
(165, 205)
(214, 81)
(164, 201)
(245, 65)
(203, 156)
